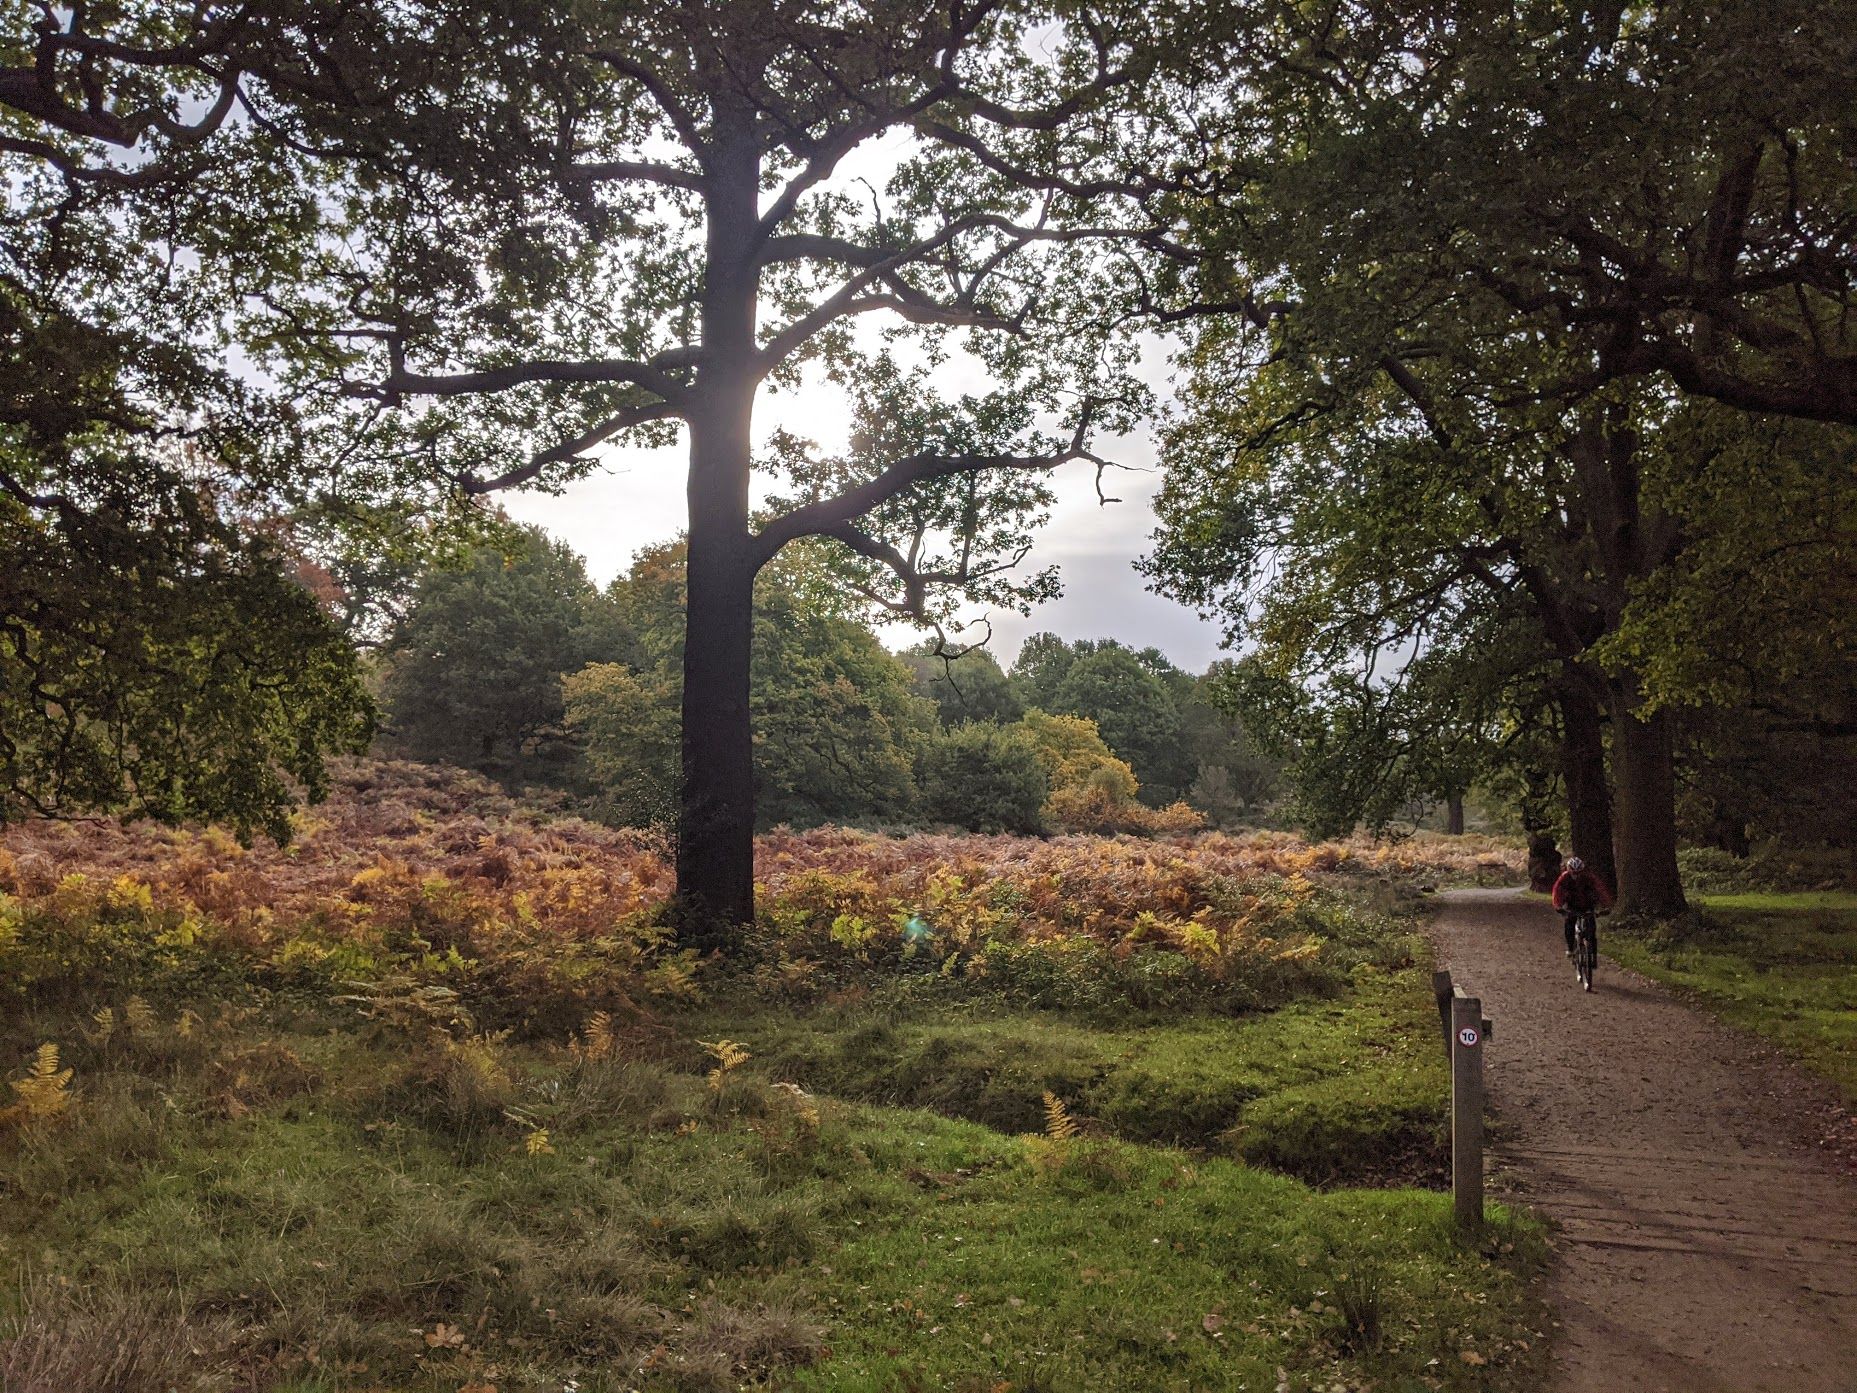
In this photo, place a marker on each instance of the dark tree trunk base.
(1583, 770)
(1649, 881)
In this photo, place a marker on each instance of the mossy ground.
(1783, 965)
(1344, 1089)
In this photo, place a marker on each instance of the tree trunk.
(715, 825)
(1454, 814)
(715, 828)
(1583, 770)
(1649, 881)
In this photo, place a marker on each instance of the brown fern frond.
(729, 1055)
(138, 1016)
(44, 1093)
(1059, 1124)
(596, 1040)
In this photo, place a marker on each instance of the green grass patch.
(1783, 901)
(1783, 965)
(1772, 866)
(397, 1225)
(1348, 1090)
(288, 1200)
(1054, 1164)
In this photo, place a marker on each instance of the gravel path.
(1703, 1245)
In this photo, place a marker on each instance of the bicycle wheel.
(1589, 955)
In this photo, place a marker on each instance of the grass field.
(1782, 965)
(423, 1111)
(281, 1202)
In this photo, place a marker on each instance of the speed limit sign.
(1468, 1036)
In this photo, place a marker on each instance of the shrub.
(1708, 870)
(986, 778)
(532, 923)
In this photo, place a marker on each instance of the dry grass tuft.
(71, 1340)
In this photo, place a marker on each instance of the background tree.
(984, 777)
(1234, 779)
(1132, 697)
(170, 649)
(1468, 354)
(625, 721)
(1043, 662)
(1134, 711)
(967, 685)
(837, 726)
(473, 672)
(153, 662)
(158, 658)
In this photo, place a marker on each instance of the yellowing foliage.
(596, 1042)
(1059, 1124)
(729, 1056)
(427, 897)
(44, 1093)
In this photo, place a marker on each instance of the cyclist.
(1579, 891)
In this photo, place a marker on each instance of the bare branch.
(647, 171)
(653, 377)
(819, 518)
(856, 295)
(571, 449)
(679, 115)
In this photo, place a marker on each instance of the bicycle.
(1586, 947)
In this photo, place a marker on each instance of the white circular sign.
(1468, 1036)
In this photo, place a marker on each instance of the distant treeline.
(514, 662)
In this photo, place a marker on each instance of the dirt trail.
(1704, 1245)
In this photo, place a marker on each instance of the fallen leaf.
(1470, 1356)
(1212, 1323)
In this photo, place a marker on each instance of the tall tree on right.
(1459, 276)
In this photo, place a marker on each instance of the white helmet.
(1574, 863)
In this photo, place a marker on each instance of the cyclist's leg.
(1567, 921)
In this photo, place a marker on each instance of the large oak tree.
(602, 223)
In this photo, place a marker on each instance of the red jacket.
(1581, 890)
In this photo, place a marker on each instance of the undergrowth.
(439, 1108)
(296, 1204)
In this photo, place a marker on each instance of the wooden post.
(1441, 988)
(1467, 1035)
